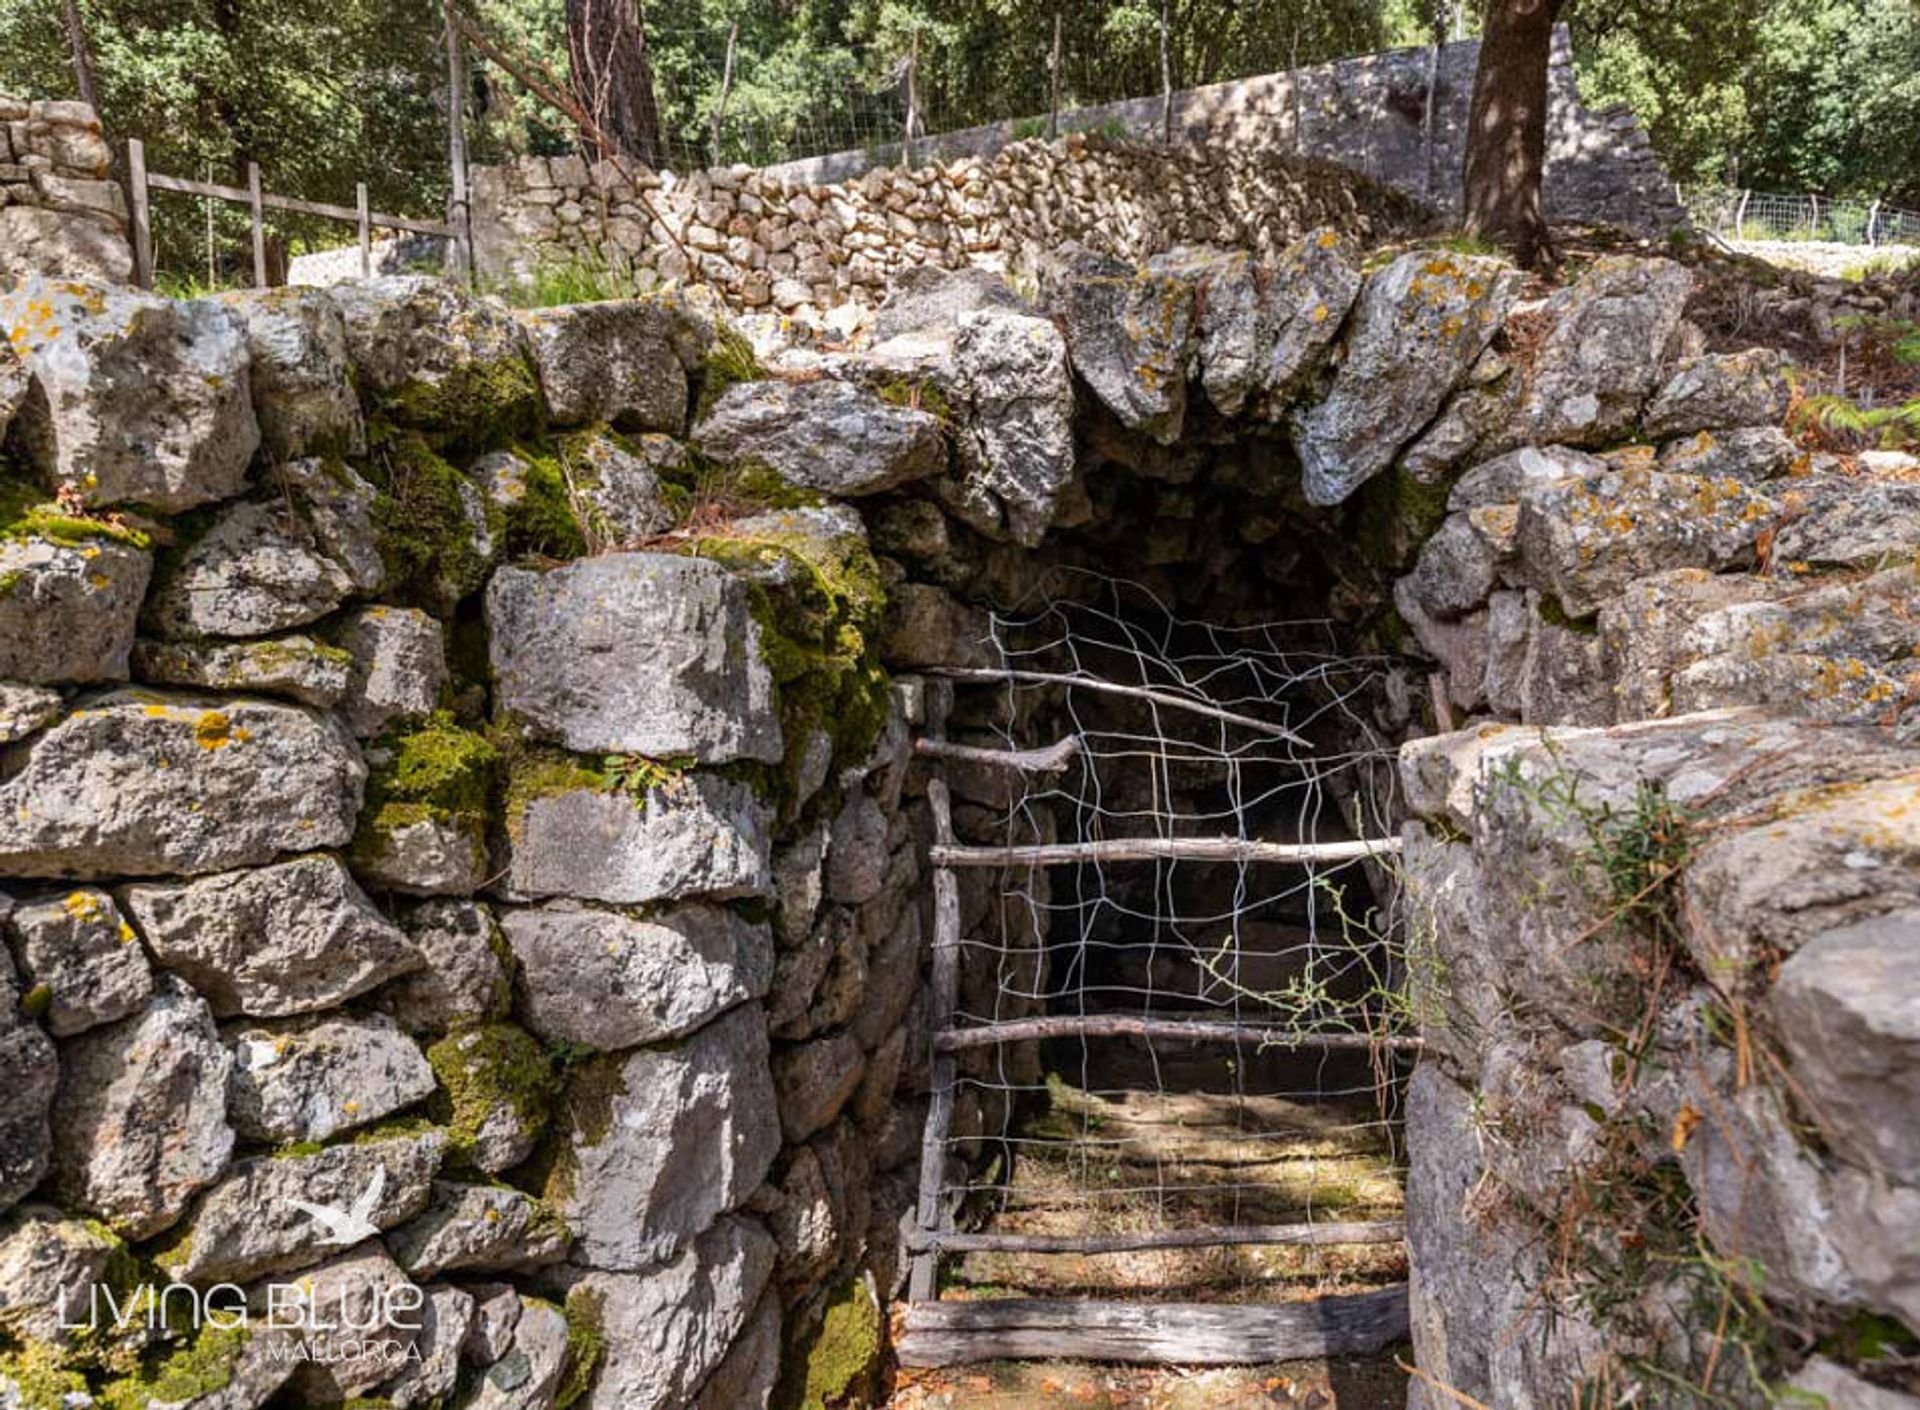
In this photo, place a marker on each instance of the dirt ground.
(1338, 1383)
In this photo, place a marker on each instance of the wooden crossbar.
(243, 196)
(1103, 1025)
(1148, 849)
(1136, 692)
(1327, 1235)
(1152, 1333)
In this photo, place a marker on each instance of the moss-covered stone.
(474, 406)
(820, 602)
(484, 1071)
(433, 771)
(586, 1345)
(838, 1362)
(26, 512)
(593, 1085)
(202, 1366)
(729, 361)
(38, 1378)
(420, 516)
(542, 520)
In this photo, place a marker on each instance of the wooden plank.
(943, 995)
(1051, 760)
(1136, 692)
(1148, 849)
(1328, 1235)
(1104, 1025)
(1152, 1333)
(142, 213)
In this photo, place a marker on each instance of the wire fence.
(1287, 1114)
(1770, 216)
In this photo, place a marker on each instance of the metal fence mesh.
(1771, 216)
(1095, 1135)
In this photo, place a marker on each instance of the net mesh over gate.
(1085, 1111)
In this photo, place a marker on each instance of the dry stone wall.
(456, 775)
(61, 212)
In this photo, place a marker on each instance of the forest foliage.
(1792, 95)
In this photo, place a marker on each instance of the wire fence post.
(258, 219)
(142, 215)
(1873, 224)
(1740, 216)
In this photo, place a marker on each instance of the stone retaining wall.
(60, 211)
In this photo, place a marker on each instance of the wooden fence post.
(943, 990)
(1740, 216)
(1166, 71)
(458, 199)
(1873, 222)
(259, 220)
(366, 229)
(726, 88)
(1053, 77)
(913, 99)
(142, 214)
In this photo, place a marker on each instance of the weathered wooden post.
(726, 88)
(366, 228)
(258, 218)
(1053, 78)
(458, 201)
(1166, 71)
(913, 98)
(142, 216)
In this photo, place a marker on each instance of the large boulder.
(273, 941)
(139, 783)
(1603, 358)
(600, 979)
(476, 1229)
(1847, 1007)
(284, 558)
(80, 958)
(1011, 367)
(310, 1078)
(564, 642)
(143, 400)
(35, 240)
(1585, 540)
(825, 435)
(357, 1319)
(68, 608)
(1129, 334)
(691, 835)
(252, 1222)
(666, 1330)
(1716, 391)
(436, 357)
(664, 1140)
(302, 393)
(614, 361)
(140, 1118)
(1420, 325)
(33, 1072)
(463, 978)
(297, 667)
(399, 666)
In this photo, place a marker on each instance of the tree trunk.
(613, 78)
(82, 53)
(1507, 129)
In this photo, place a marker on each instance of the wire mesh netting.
(1131, 1134)
(1771, 216)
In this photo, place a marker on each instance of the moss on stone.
(543, 522)
(1555, 614)
(421, 520)
(39, 1378)
(729, 361)
(836, 1363)
(202, 1366)
(586, 1345)
(482, 1070)
(433, 771)
(475, 406)
(819, 601)
(36, 1001)
(26, 512)
(916, 394)
(1395, 513)
(593, 1085)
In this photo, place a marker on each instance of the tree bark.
(82, 53)
(613, 77)
(1507, 129)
